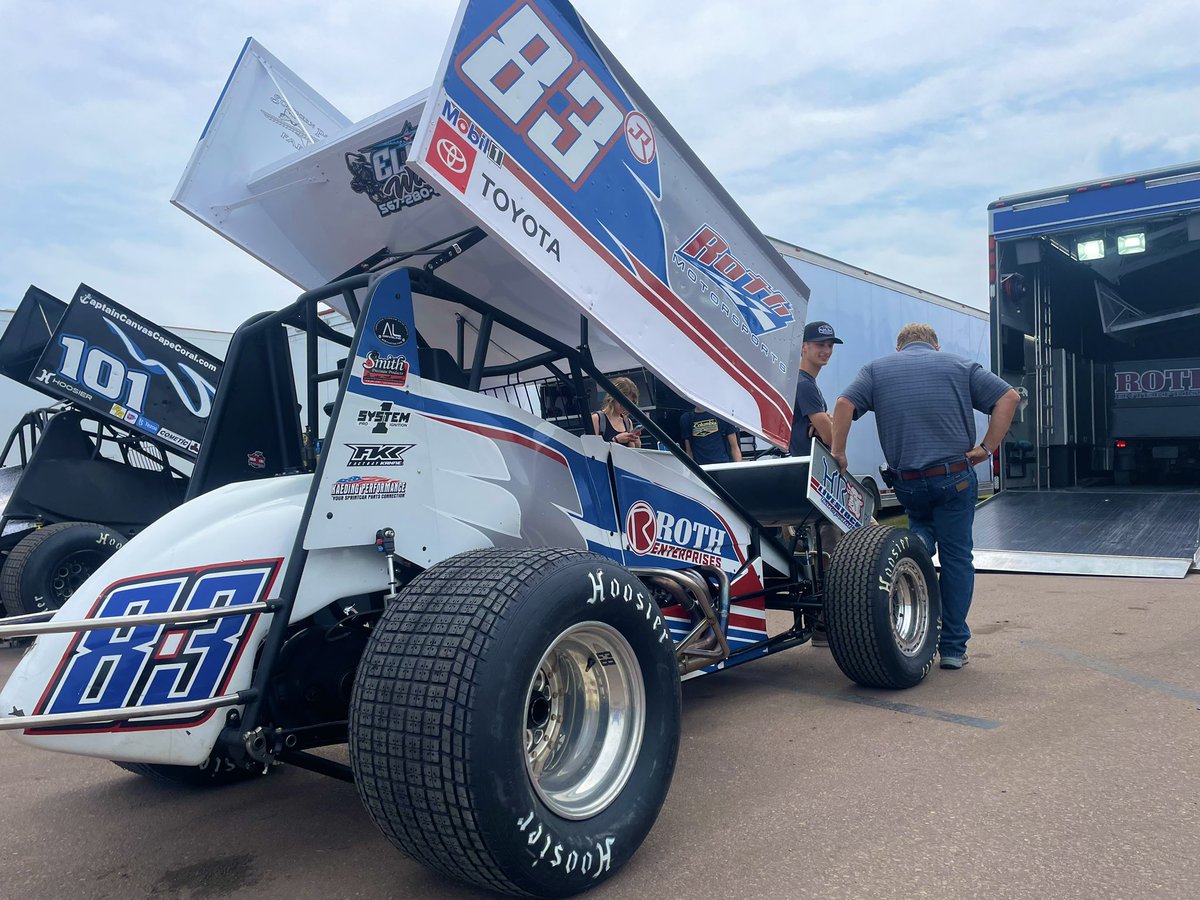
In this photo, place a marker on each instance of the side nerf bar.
(168, 618)
(36, 624)
(125, 713)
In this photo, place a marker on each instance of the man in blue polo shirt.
(923, 402)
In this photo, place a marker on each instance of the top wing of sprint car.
(591, 204)
(532, 211)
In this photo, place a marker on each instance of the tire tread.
(414, 696)
(849, 619)
(14, 565)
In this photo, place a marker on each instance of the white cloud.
(876, 133)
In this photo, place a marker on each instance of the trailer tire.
(882, 607)
(214, 772)
(48, 564)
(475, 727)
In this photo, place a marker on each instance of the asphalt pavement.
(1063, 762)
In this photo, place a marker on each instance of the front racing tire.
(883, 610)
(515, 719)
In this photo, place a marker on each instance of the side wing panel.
(536, 129)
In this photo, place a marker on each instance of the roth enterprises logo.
(1147, 384)
(652, 533)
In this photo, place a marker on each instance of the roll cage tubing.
(303, 314)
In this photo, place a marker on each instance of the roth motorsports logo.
(705, 259)
(652, 533)
(379, 171)
(377, 454)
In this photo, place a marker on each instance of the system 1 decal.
(380, 420)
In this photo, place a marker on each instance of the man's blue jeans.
(941, 511)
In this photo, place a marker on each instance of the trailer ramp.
(1137, 534)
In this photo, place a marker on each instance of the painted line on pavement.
(1115, 671)
(940, 715)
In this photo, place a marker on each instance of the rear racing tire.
(883, 609)
(49, 564)
(515, 719)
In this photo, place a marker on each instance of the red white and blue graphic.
(763, 308)
(147, 665)
(836, 494)
(595, 192)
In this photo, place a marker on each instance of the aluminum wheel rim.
(72, 572)
(585, 713)
(908, 602)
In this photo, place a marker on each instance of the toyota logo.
(453, 157)
(641, 527)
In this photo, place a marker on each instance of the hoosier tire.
(48, 564)
(515, 719)
(882, 607)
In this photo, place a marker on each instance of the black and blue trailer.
(1095, 302)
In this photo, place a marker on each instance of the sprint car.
(493, 611)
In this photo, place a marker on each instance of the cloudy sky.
(876, 133)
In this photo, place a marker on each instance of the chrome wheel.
(908, 602)
(584, 718)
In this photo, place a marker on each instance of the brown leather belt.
(934, 471)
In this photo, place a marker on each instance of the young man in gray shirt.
(923, 402)
(810, 415)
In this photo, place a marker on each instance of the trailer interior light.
(1121, 445)
(1131, 243)
(1086, 250)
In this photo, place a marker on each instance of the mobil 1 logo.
(377, 454)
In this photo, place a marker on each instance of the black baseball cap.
(821, 331)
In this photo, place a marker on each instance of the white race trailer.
(867, 311)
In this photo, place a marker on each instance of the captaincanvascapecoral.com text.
(126, 319)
